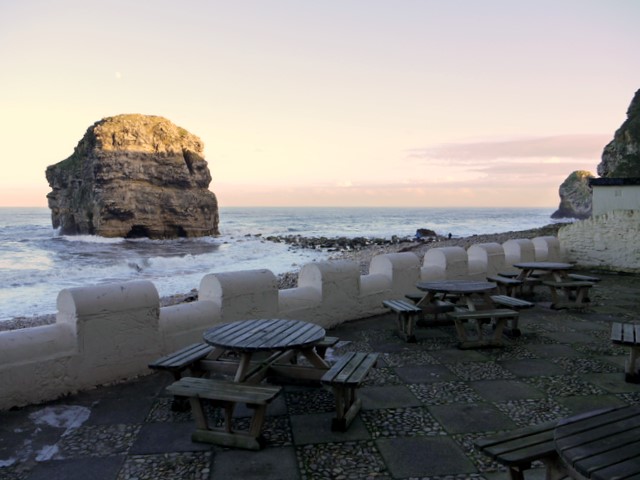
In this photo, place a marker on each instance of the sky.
(415, 103)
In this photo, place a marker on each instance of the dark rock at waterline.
(426, 234)
(336, 244)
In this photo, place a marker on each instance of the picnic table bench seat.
(506, 285)
(406, 313)
(514, 304)
(628, 335)
(435, 307)
(577, 291)
(499, 316)
(324, 344)
(225, 394)
(344, 378)
(321, 348)
(584, 278)
(518, 449)
(184, 359)
(511, 302)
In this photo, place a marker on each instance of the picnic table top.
(543, 265)
(264, 335)
(601, 444)
(456, 286)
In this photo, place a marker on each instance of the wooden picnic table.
(248, 350)
(283, 339)
(556, 270)
(600, 445)
(457, 290)
(566, 292)
(465, 294)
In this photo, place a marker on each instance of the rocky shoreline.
(359, 249)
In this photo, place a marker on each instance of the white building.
(610, 239)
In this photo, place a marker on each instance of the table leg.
(243, 366)
(426, 300)
(313, 357)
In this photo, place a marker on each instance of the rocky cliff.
(134, 176)
(620, 159)
(621, 156)
(575, 196)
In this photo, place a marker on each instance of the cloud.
(585, 146)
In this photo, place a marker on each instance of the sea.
(36, 262)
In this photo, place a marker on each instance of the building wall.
(607, 198)
(608, 241)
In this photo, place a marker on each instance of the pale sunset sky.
(328, 103)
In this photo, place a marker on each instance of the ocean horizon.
(36, 262)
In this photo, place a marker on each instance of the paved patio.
(423, 408)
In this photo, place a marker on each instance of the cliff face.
(620, 159)
(621, 156)
(575, 196)
(134, 176)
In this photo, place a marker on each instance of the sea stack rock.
(621, 156)
(134, 176)
(575, 196)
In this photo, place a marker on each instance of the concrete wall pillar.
(241, 295)
(485, 259)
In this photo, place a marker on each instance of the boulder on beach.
(426, 234)
(134, 176)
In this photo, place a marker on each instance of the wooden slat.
(620, 432)
(504, 280)
(183, 357)
(264, 334)
(329, 376)
(264, 338)
(498, 313)
(628, 469)
(589, 443)
(365, 365)
(520, 447)
(327, 342)
(609, 457)
(223, 390)
(628, 333)
(401, 306)
(589, 421)
(567, 284)
(511, 301)
(351, 369)
(586, 278)
(625, 333)
(616, 332)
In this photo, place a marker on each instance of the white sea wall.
(608, 241)
(109, 333)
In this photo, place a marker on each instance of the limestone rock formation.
(575, 196)
(621, 157)
(134, 176)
